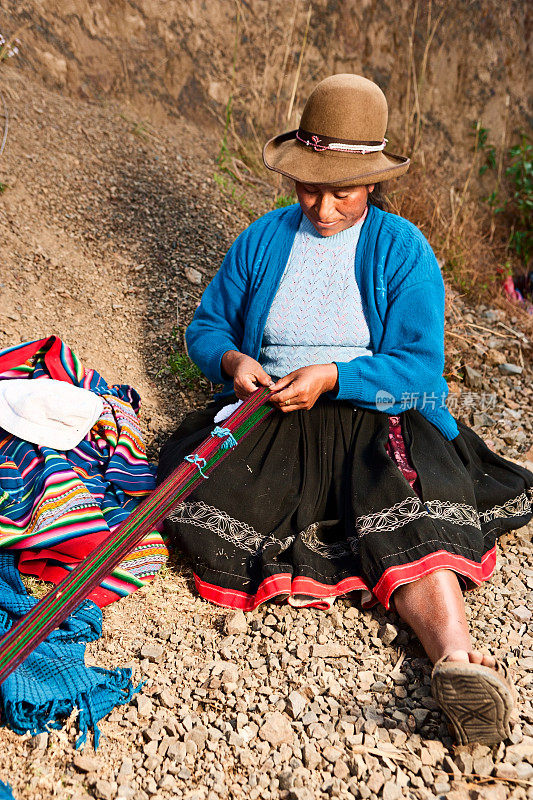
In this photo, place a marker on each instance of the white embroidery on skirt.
(411, 508)
(247, 538)
(281, 544)
(331, 551)
(516, 507)
(218, 522)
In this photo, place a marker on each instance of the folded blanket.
(57, 506)
(43, 691)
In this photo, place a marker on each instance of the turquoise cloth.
(402, 293)
(5, 791)
(53, 680)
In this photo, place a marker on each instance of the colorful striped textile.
(21, 640)
(57, 507)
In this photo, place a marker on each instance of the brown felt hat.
(341, 138)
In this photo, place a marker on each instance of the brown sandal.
(477, 700)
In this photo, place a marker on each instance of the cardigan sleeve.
(410, 360)
(218, 323)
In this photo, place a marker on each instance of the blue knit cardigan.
(402, 292)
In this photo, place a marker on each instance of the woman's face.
(332, 209)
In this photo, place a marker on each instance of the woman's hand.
(247, 373)
(303, 387)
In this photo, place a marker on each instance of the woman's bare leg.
(433, 607)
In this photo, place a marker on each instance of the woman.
(364, 480)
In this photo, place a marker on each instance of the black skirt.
(312, 505)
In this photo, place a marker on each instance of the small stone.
(168, 699)
(427, 775)
(519, 752)
(167, 782)
(340, 769)
(301, 793)
(193, 276)
(521, 613)
(236, 623)
(85, 763)
(483, 420)
(331, 754)
(387, 633)
(375, 782)
(125, 792)
(391, 791)
(150, 748)
(296, 704)
(510, 369)
(105, 790)
(473, 378)
(311, 756)
(152, 651)
(524, 771)
(420, 715)
(449, 765)
(39, 742)
(442, 784)
(495, 355)
(198, 735)
(126, 770)
(144, 705)
(177, 751)
(464, 761)
(483, 766)
(505, 771)
(330, 651)
(234, 740)
(276, 729)
(286, 780)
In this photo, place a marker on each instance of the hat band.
(322, 143)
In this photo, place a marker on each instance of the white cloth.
(226, 411)
(48, 412)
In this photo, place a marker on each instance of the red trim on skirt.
(442, 559)
(284, 584)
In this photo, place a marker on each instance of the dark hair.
(377, 197)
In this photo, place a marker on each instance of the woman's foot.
(472, 688)
(476, 697)
(472, 657)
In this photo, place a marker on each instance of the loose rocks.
(276, 729)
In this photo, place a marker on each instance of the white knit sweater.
(316, 316)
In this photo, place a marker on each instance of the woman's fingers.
(283, 382)
(291, 392)
(263, 377)
(244, 385)
(248, 376)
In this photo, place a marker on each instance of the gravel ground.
(108, 227)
